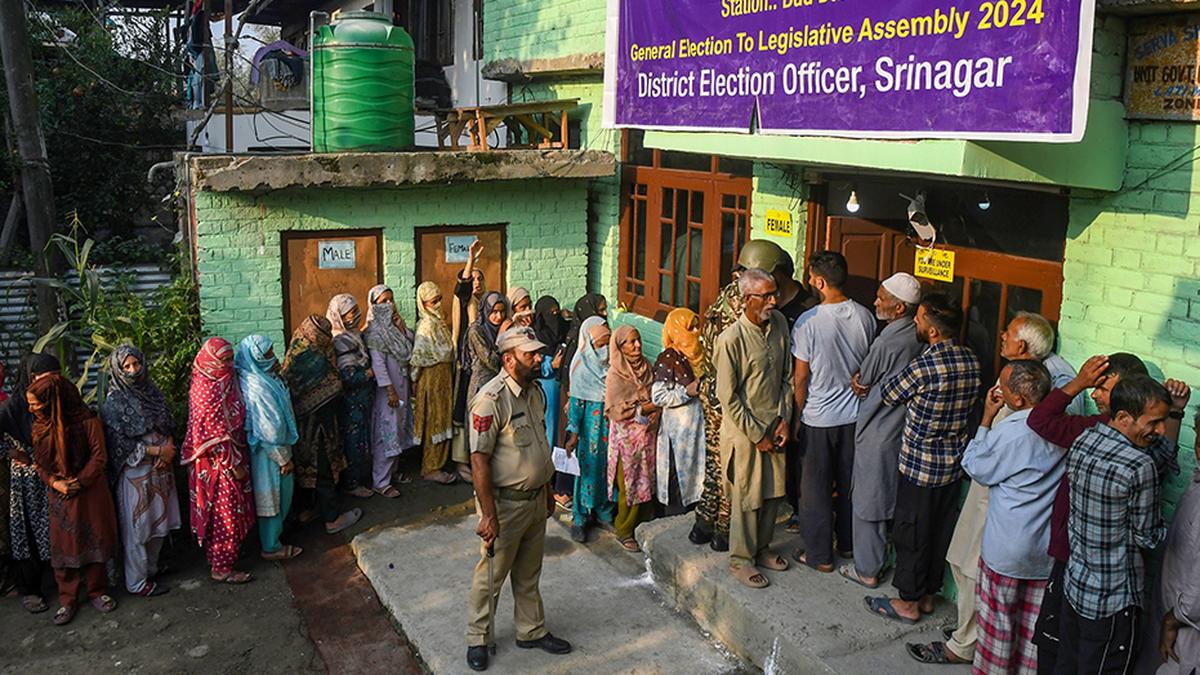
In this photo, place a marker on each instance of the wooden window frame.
(714, 185)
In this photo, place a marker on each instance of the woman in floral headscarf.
(316, 392)
(587, 428)
(214, 451)
(433, 380)
(358, 392)
(390, 344)
(270, 432)
(680, 450)
(141, 450)
(68, 452)
(632, 433)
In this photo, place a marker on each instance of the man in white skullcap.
(879, 430)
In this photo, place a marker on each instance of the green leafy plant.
(102, 314)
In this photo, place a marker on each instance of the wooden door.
(441, 256)
(992, 287)
(320, 265)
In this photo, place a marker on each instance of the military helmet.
(760, 253)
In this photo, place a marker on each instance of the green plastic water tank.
(363, 85)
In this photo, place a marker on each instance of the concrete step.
(804, 622)
(614, 617)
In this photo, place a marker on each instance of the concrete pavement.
(804, 622)
(597, 596)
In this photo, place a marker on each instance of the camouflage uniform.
(713, 512)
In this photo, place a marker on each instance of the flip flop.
(285, 553)
(360, 492)
(882, 606)
(747, 574)
(630, 544)
(800, 557)
(390, 492)
(234, 577)
(934, 653)
(344, 521)
(64, 615)
(772, 561)
(34, 604)
(152, 590)
(850, 573)
(104, 604)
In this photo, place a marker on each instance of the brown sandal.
(802, 558)
(233, 577)
(34, 604)
(631, 545)
(285, 553)
(772, 561)
(749, 576)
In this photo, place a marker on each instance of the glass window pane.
(1022, 299)
(641, 189)
(697, 244)
(737, 167)
(668, 202)
(693, 298)
(729, 201)
(983, 325)
(664, 289)
(640, 240)
(666, 236)
(685, 161)
(697, 213)
(638, 153)
(728, 234)
(742, 202)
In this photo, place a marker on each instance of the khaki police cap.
(522, 338)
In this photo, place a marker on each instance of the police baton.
(491, 554)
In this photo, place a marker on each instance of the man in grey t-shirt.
(829, 342)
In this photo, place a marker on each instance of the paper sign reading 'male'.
(968, 69)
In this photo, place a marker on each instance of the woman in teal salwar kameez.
(271, 433)
(587, 428)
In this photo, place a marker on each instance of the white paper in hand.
(564, 463)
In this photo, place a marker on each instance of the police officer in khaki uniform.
(512, 470)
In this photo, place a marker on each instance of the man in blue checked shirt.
(1116, 515)
(940, 388)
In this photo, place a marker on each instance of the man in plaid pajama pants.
(1021, 471)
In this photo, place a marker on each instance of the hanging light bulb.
(852, 204)
(985, 203)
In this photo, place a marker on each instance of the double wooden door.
(993, 287)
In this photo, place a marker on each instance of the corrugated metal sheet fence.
(18, 317)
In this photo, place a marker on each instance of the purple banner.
(969, 69)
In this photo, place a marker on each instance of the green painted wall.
(239, 246)
(529, 29)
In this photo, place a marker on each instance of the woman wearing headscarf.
(141, 449)
(521, 308)
(478, 363)
(390, 344)
(551, 330)
(587, 428)
(632, 433)
(316, 393)
(358, 392)
(214, 451)
(469, 289)
(69, 455)
(592, 304)
(433, 382)
(270, 432)
(29, 517)
(680, 449)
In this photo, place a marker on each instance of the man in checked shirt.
(940, 387)
(1116, 515)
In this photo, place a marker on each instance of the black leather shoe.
(579, 534)
(720, 543)
(477, 657)
(699, 536)
(548, 643)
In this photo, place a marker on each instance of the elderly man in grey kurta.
(754, 386)
(880, 428)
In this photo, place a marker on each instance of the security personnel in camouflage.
(512, 468)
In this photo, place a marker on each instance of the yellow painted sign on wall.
(935, 263)
(779, 223)
(1162, 80)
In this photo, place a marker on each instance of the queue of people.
(865, 422)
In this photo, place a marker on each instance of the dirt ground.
(314, 614)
